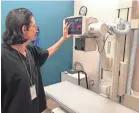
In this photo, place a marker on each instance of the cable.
(103, 44)
(104, 41)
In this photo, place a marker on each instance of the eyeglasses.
(36, 27)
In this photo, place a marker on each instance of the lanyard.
(29, 75)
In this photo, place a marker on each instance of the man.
(22, 89)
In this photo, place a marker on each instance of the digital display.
(75, 27)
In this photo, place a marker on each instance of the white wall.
(124, 3)
(103, 10)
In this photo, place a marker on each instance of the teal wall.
(49, 17)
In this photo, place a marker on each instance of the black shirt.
(15, 84)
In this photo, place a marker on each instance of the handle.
(85, 78)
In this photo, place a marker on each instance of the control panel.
(78, 25)
(75, 27)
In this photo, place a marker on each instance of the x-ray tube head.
(98, 29)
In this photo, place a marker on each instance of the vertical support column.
(129, 100)
(132, 78)
(135, 80)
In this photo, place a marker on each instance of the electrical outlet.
(92, 82)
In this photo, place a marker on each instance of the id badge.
(44, 111)
(33, 92)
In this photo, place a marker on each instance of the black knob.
(75, 47)
(82, 48)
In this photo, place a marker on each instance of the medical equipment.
(87, 29)
(114, 43)
(75, 99)
(76, 77)
(78, 25)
